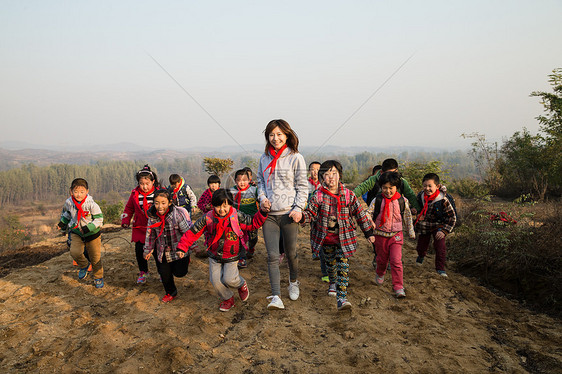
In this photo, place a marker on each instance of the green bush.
(111, 212)
(12, 233)
(468, 187)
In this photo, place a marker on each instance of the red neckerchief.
(337, 197)
(175, 192)
(315, 184)
(221, 226)
(273, 162)
(238, 197)
(160, 224)
(81, 213)
(426, 204)
(387, 202)
(145, 202)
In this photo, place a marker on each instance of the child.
(84, 218)
(225, 226)
(182, 194)
(167, 224)
(204, 203)
(330, 210)
(390, 212)
(138, 205)
(437, 218)
(313, 184)
(245, 201)
(250, 175)
(371, 194)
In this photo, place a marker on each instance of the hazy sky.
(80, 72)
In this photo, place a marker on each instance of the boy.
(84, 218)
(437, 218)
(313, 182)
(245, 200)
(182, 194)
(204, 203)
(391, 213)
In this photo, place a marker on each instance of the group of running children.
(162, 227)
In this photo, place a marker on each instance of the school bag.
(378, 203)
(233, 218)
(376, 190)
(320, 196)
(439, 208)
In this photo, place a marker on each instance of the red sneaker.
(168, 298)
(243, 292)
(226, 305)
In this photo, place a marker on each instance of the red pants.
(440, 249)
(390, 249)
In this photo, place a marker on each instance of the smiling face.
(314, 171)
(242, 181)
(277, 138)
(222, 210)
(214, 186)
(145, 184)
(331, 178)
(79, 193)
(429, 187)
(161, 204)
(388, 190)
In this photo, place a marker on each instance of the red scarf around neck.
(175, 192)
(81, 213)
(221, 226)
(427, 199)
(145, 202)
(160, 224)
(337, 197)
(238, 197)
(386, 209)
(315, 184)
(273, 162)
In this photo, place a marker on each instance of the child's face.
(222, 210)
(277, 138)
(214, 186)
(161, 204)
(314, 171)
(429, 187)
(145, 184)
(79, 193)
(388, 190)
(331, 178)
(176, 185)
(242, 181)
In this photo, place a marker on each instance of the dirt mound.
(50, 321)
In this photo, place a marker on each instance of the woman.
(283, 192)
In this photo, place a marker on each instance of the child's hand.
(439, 235)
(371, 239)
(124, 225)
(414, 211)
(296, 216)
(208, 207)
(265, 205)
(181, 254)
(147, 256)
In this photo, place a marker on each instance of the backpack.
(438, 206)
(233, 218)
(376, 190)
(320, 195)
(378, 203)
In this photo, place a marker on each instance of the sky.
(180, 74)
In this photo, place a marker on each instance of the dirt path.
(51, 322)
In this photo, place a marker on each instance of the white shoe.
(275, 302)
(332, 290)
(294, 291)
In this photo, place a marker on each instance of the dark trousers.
(141, 261)
(439, 246)
(169, 270)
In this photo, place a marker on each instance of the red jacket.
(140, 221)
(227, 247)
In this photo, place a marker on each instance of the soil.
(52, 322)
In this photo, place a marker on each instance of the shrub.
(12, 233)
(111, 212)
(468, 187)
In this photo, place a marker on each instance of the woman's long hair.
(292, 138)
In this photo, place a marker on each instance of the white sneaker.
(332, 290)
(294, 291)
(275, 302)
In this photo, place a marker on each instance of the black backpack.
(376, 190)
(378, 203)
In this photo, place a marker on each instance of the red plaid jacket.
(177, 224)
(318, 211)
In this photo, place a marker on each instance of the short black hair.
(221, 196)
(213, 179)
(248, 170)
(241, 172)
(327, 165)
(79, 182)
(434, 177)
(174, 178)
(389, 164)
(163, 192)
(391, 177)
(375, 169)
(314, 163)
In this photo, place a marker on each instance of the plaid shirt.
(177, 223)
(204, 200)
(318, 212)
(433, 220)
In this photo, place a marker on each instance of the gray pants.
(273, 227)
(224, 276)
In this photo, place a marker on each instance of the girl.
(332, 233)
(167, 224)
(283, 191)
(138, 205)
(225, 226)
(388, 211)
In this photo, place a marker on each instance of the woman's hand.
(265, 205)
(296, 216)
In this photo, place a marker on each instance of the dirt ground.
(52, 322)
